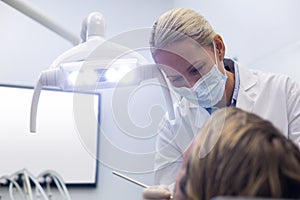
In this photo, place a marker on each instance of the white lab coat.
(274, 97)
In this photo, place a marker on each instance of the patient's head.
(240, 154)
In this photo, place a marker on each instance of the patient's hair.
(240, 154)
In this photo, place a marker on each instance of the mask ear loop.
(215, 52)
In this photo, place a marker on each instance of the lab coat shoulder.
(275, 97)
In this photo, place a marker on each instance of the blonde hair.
(179, 24)
(250, 158)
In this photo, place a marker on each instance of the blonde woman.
(237, 153)
(192, 56)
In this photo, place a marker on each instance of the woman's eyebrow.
(196, 63)
(190, 68)
(169, 76)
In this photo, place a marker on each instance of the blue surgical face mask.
(208, 90)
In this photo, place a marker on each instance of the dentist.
(192, 57)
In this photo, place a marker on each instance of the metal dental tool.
(130, 179)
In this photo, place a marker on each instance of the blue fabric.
(236, 85)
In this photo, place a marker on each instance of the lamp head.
(93, 25)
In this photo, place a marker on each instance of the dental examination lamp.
(59, 78)
(92, 35)
(94, 64)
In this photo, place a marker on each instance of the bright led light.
(121, 74)
(110, 75)
(120, 70)
(87, 72)
(126, 74)
(87, 77)
(73, 77)
(83, 78)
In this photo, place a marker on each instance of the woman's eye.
(196, 70)
(176, 79)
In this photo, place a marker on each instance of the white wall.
(255, 30)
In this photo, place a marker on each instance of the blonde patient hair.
(250, 158)
(179, 24)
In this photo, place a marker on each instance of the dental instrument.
(130, 179)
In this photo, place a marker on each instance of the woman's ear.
(220, 46)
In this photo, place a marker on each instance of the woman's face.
(185, 62)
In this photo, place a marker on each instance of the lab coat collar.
(248, 80)
(247, 93)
